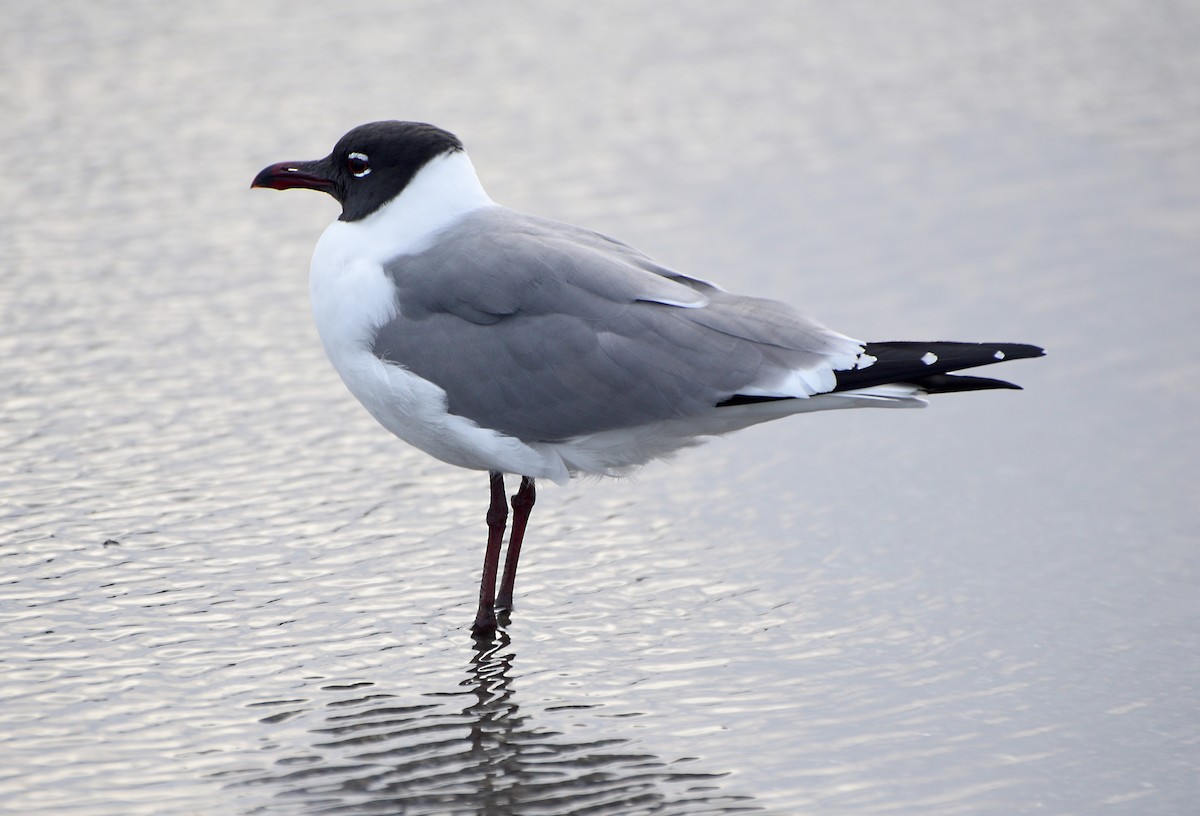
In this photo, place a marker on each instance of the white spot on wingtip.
(929, 358)
(999, 355)
(865, 361)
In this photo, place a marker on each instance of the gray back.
(547, 331)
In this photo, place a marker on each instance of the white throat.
(441, 193)
(351, 294)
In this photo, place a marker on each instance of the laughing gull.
(509, 343)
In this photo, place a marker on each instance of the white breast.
(352, 297)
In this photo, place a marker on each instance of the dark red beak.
(311, 175)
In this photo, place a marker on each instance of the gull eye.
(358, 164)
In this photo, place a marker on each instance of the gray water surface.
(225, 590)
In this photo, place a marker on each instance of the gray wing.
(546, 331)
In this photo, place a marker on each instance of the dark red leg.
(497, 515)
(522, 503)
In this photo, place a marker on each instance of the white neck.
(441, 193)
(351, 295)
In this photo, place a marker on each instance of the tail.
(929, 365)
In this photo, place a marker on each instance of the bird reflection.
(472, 750)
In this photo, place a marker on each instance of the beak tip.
(290, 175)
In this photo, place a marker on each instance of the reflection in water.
(473, 751)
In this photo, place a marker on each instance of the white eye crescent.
(358, 164)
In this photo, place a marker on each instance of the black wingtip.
(929, 365)
(1017, 351)
(951, 383)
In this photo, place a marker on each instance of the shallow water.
(225, 590)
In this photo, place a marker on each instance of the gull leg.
(522, 502)
(497, 515)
